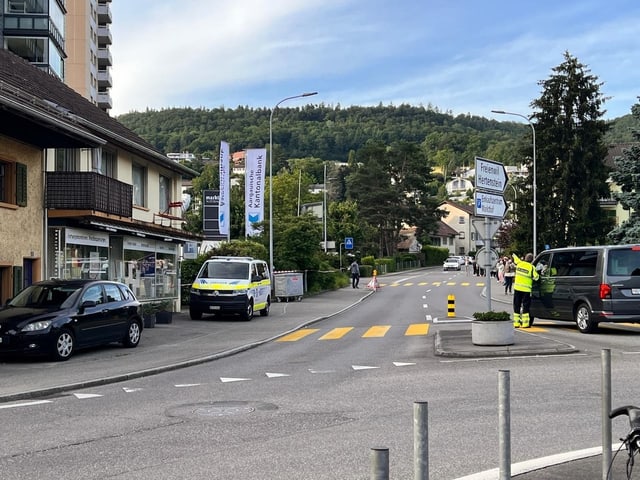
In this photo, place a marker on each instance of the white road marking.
(186, 385)
(362, 367)
(25, 404)
(131, 390)
(231, 379)
(402, 364)
(277, 375)
(311, 370)
(84, 396)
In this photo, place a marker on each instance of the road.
(313, 405)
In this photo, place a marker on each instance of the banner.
(254, 189)
(224, 210)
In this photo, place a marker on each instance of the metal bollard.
(380, 463)
(451, 306)
(421, 440)
(606, 408)
(504, 422)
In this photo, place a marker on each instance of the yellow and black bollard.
(451, 306)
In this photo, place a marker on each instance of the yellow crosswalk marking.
(336, 333)
(417, 329)
(422, 284)
(465, 284)
(376, 331)
(451, 283)
(295, 336)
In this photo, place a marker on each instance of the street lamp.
(533, 132)
(308, 94)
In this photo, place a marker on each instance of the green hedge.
(434, 255)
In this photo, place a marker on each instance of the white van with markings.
(238, 285)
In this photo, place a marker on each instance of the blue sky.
(463, 56)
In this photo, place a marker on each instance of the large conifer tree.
(571, 173)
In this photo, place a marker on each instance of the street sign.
(489, 205)
(348, 243)
(479, 225)
(486, 258)
(490, 176)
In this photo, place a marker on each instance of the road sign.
(479, 225)
(348, 243)
(489, 205)
(490, 176)
(486, 258)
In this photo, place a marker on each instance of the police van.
(238, 285)
(588, 285)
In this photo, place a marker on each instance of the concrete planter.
(492, 332)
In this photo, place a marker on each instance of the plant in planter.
(149, 310)
(164, 312)
(492, 328)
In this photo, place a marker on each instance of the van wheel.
(248, 313)
(265, 311)
(194, 313)
(583, 319)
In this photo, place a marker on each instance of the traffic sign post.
(348, 243)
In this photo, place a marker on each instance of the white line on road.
(25, 404)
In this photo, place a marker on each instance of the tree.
(572, 176)
(627, 176)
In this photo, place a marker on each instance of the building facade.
(82, 196)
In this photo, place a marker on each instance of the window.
(165, 193)
(31, 49)
(113, 292)
(109, 163)
(139, 192)
(93, 294)
(461, 220)
(13, 183)
(67, 160)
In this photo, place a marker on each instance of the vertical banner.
(210, 212)
(224, 210)
(254, 189)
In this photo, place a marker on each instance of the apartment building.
(87, 42)
(82, 196)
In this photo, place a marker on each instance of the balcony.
(104, 58)
(104, 79)
(88, 191)
(104, 35)
(104, 101)
(104, 13)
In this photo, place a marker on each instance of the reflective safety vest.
(525, 275)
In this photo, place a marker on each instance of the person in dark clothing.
(355, 274)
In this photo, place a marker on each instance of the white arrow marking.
(83, 396)
(425, 305)
(362, 367)
(131, 390)
(402, 364)
(186, 385)
(276, 375)
(227, 379)
(25, 404)
(320, 371)
(428, 317)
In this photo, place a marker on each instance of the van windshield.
(624, 262)
(226, 270)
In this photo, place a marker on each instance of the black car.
(55, 317)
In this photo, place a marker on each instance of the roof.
(616, 151)
(28, 94)
(445, 230)
(461, 206)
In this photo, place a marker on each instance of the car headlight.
(37, 326)
(244, 291)
(195, 292)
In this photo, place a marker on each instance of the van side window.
(562, 262)
(584, 263)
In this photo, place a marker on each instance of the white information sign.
(490, 176)
(489, 205)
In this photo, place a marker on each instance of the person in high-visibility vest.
(525, 276)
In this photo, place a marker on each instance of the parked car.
(56, 317)
(588, 285)
(451, 263)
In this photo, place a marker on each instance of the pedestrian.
(355, 274)
(500, 267)
(526, 274)
(509, 274)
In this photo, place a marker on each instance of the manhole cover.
(219, 409)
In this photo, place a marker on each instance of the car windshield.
(43, 296)
(226, 270)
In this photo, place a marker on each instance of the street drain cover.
(219, 409)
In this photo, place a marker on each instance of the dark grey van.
(588, 285)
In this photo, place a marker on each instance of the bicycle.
(632, 440)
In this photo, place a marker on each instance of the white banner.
(224, 210)
(256, 160)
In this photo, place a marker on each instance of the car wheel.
(63, 345)
(194, 313)
(583, 319)
(265, 311)
(132, 338)
(248, 313)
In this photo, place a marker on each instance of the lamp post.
(308, 94)
(533, 132)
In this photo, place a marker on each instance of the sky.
(460, 56)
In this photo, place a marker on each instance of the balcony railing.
(88, 191)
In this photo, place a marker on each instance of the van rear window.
(624, 262)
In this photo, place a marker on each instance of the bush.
(492, 316)
(434, 255)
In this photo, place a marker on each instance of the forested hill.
(330, 133)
